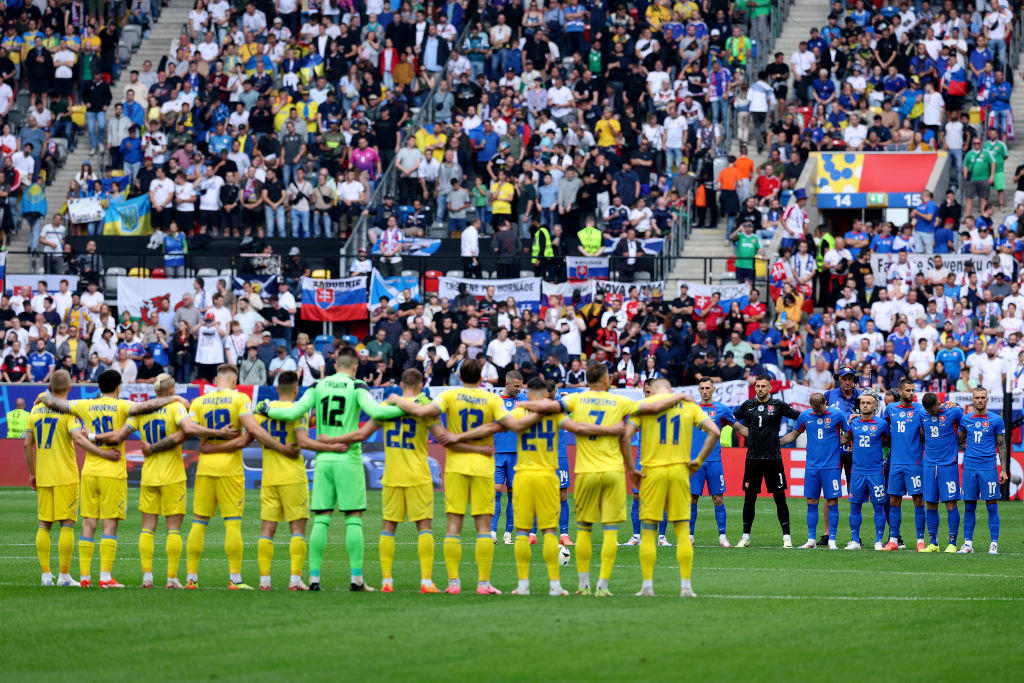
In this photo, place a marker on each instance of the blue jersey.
(980, 451)
(905, 425)
(505, 442)
(720, 414)
(867, 442)
(834, 399)
(940, 436)
(823, 441)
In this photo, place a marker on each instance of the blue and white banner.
(525, 290)
(622, 289)
(392, 288)
(702, 293)
(414, 246)
(3, 266)
(264, 285)
(567, 290)
(343, 299)
(654, 245)
(580, 268)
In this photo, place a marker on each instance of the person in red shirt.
(712, 313)
(767, 185)
(754, 311)
(607, 339)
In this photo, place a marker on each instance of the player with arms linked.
(941, 480)
(866, 435)
(505, 460)
(984, 437)
(710, 473)
(906, 470)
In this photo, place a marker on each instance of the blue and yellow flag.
(129, 218)
(312, 67)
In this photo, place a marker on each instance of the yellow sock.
(264, 554)
(484, 556)
(173, 548)
(452, 556)
(584, 548)
(387, 553)
(146, 546)
(425, 549)
(609, 546)
(233, 544)
(522, 553)
(297, 553)
(194, 546)
(43, 549)
(550, 552)
(649, 549)
(65, 548)
(684, 550)
(108, 552)
(85, 548)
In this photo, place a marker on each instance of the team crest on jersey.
(828, 421)
(942, 419)
(984, 424)
(872, 427)
(771, 409)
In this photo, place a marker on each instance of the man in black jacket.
(506, 246)
(96, 96)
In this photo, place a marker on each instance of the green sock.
(317, 544)
(354, 544)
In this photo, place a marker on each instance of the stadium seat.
(454, 273)
(321, 274)
(132, 34)
(322, 342)
(227, 272)
(410, 273)
(158, 274)
(138, 272)
(350, 339)
(206, 272)
(124, 53)
(110, 280)
(526, 273)
(642, 276)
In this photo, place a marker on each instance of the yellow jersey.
(217, 409)
(466, 408)
(165, 467)
(538, 446)
(103, 415)
(599, 453)
(607, 131)
(279, 469)
(665, 437)
(503, 193)
(405, 450)
(56, 464)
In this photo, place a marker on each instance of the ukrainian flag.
(129, 218)
(312, 67)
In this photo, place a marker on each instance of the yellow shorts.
(535, 494)
(665, 491)
(415, 501)
(166, 499)
(57, 503)
(104, 497)
(600, 497)
(461, 490)
(228, 493)
(284, 502)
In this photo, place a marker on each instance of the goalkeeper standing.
(338, 478)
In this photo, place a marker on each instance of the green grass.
(763, 613)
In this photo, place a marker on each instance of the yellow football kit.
(56, 464)
(536, 491)
(469, 477)
(408, 486)
(664, 453)
(162, 485)
(104, 482)
(220, 477)
(600, 475)
(284, 491)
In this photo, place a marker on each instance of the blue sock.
(720, 518)
(693, 517)
(953, 522)
(663, 525)
(933, 525)
(879, 521)
(508, 513)
(919, 516)
(970, 518)
(895, 520)
(534, 529)
(833, 522)
(993, 520)
(635, 515)
(855, 520)
(812, 520)
(497, 511)
(563, 518)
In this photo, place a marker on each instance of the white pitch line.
(899, 598)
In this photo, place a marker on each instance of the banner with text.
(579, 268)
(343, 299)
(621, 289)
(922, 263)
(526, 290)
(701, 294)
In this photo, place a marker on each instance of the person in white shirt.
(221, 315)
(922, 358)
(209, 200)
(125, 366)
(281, 363)
(989, 371)
(802, 63)
(469, 246)
(311, 365)
(924, 331)
(246, 316)
(561, 101)
(161, 192)
(62, 299)
(38, 300)
(571, 327)
(855, 133)
(1011, 323)
(501, 349)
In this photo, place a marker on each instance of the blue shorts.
(710, 473)
(905, 480)
(504, 468)
(981, 484)
(824, 482)
(867, 485)
(563, 473)
(941, 483)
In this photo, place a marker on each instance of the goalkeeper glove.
(262, 407)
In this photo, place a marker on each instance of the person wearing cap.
(844, 397)
(209, 347)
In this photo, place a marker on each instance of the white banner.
(144, 392)
(85, 210)
(922, 263)
(32, 281)
(621, 289)
(995, 401)
(141, 297)
(730, 393)
(701, 293)
(525, 290)
(798, 396)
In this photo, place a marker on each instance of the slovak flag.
(343, 299)
(583, 268)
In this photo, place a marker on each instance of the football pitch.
(762, 612)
